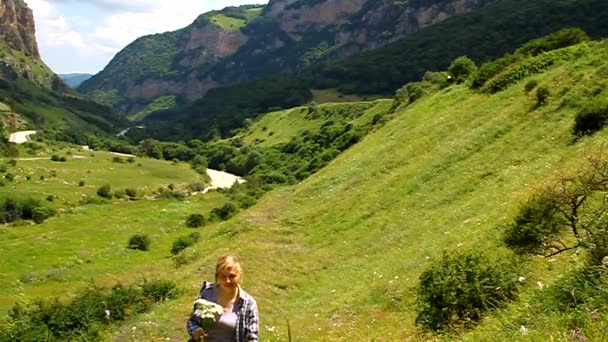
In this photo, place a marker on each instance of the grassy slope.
(338, 253)
(279, 127)
(87, 242)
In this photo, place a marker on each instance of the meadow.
(337, 256)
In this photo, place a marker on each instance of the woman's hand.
(198, 333)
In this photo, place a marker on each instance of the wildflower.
(605, 261)
(540, 285)
(523, 330)
(521, 279)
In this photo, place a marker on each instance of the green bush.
(462, 68)
(160, 290)
(86, 316)
(542, 95)
(139, 242)
(9, 177)
(530, 85)
(40, 214)
(132, 193)
(224, 212)
(105, 191)
(591, 119)
(195, 221)
(537, 222)
(81, 183)
(458, 289)
(184, 242)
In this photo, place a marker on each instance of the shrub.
(224, 212)
(85, 316)
(184, 242)
(81, 183)
(131, 160)
(530, 85)
(40, 214)
(105, 191)
(159, 290)
(462, 286)
(534, 226)
(542, 95)
(195, 221)
(118, 160)
(462, 68)
(9, 176)
(121, 193)
(50, 198)
(132, 193)
(139, 242)
(591, 119)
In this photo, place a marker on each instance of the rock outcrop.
(17, 27)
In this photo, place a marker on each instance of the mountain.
(74, 80)
(247, 42)
(34, 94)
(486, 33)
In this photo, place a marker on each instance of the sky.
(82, 36)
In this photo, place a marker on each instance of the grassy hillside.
(339, 253)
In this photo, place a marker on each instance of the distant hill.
(74, 80)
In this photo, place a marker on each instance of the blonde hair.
(228, 262)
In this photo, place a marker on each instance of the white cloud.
(87, 40)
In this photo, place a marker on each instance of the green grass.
(228, 23)
(4, 107)
(95, 169)
(332, 95)
(281, 126)
(338, 255)
(161, 103)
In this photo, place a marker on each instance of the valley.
(467, 204)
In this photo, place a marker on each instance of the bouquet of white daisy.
(207, 313)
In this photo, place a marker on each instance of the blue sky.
(83, 35)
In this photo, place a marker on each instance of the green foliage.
(573, 202)
(9, 176)
(462, 68)
(139, 242)
(591, 119)
(86, 316)
(224, 212)
(12, 209)
(530, 85)
(40, 214)
(184, 242)
(542, 95)
(537, 222)
(195, 221)
(57, 158)
(105, 191)
(534, 65)
(461, 287)
(557, 40)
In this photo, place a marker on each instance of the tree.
(462, 68)
(567, 214)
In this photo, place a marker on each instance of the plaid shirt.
(246, 309)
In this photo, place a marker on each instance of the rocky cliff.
(17, 27)
(283, 36)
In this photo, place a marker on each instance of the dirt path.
(221, 179)
(20, 137)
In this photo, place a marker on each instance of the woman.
(240, 320)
